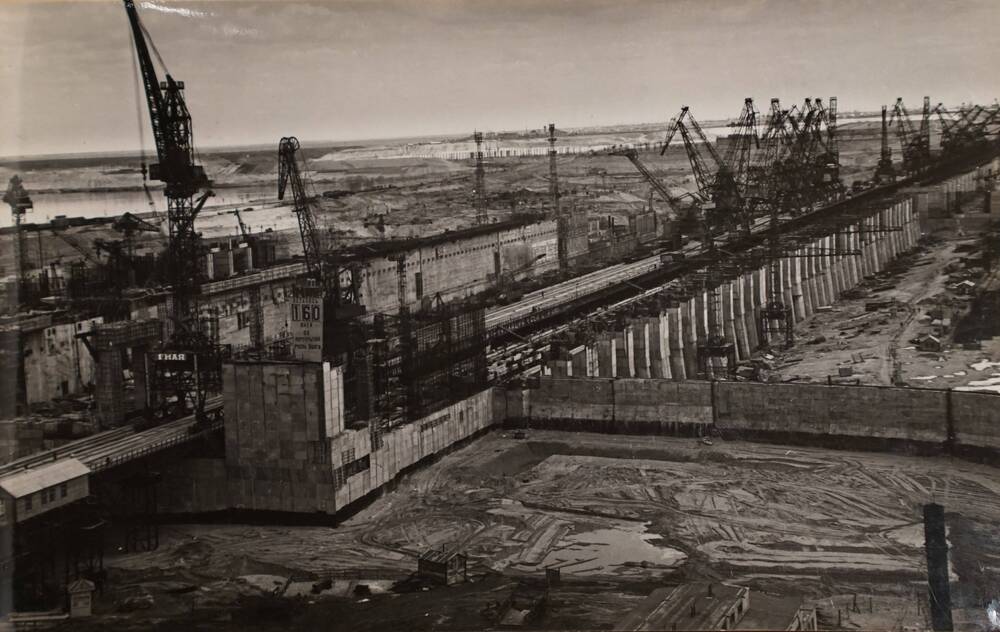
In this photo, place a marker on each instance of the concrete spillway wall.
(869, 417)
(665, 345)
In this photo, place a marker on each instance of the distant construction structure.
(553, 172)
(480, 181)
(20, 203)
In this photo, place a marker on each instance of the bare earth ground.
(619, 515)
(871, 343)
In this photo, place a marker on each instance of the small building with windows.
(442, 567)
(43, 488)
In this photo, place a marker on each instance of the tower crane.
(190, 379)
(183, 179)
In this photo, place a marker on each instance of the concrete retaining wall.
(627, 406)
(845, 411)
(976, 420)
(256, 476)
(861, 416)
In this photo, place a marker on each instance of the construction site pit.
(619, 516)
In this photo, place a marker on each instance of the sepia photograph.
(469, 315)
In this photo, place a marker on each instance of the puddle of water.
(608, 550)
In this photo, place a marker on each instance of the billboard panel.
(305, 323)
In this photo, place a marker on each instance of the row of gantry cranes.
(788, 161)
(784, 163)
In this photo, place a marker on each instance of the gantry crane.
(915, 144)
(721, 181)
(191, 365)
(973, 129)
(885, 172)
(960, 134)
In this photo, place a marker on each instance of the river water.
(112, 203)
(259, 208)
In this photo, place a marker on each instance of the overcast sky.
(346, 69)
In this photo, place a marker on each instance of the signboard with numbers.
(305, 323)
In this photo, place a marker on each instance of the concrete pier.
(675, 344)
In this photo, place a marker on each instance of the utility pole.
(553, 173)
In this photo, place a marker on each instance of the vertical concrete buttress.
(675, 336)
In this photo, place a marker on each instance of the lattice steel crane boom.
(336, 273)
(676, 202)
(289, 174)
(721, 181)
(244, 231)
(684, 215)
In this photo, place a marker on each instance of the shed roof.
(36, 479)
(670, 608)
(439, 556)
(81, 585)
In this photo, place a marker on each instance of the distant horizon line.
(125, 153)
